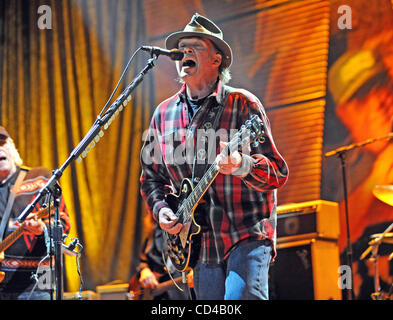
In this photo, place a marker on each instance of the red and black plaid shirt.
(238, 208)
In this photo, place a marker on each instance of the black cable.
(78, 270)
(118, 83)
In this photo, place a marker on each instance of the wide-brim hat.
(200, 26)
(3, 132)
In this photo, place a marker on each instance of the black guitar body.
(184, 254)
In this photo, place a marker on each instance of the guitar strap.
(202, 156)
(11, 198)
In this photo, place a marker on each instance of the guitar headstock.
(251, 132)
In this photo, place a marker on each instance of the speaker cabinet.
(305, 270)
(312, 219)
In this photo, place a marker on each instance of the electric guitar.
(137, 292)
(12, 237)
(183, 248)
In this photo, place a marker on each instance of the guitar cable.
(169, 273)
(34, 276)
(173, 280)
(79, 271)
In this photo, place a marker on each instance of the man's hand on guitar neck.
(235, 163)
(168, 221)
(148, 279)
(32, 225)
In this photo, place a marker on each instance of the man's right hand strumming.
(168, 221)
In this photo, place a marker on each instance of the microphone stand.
(58, 241)
(89, 141)
(341, 153)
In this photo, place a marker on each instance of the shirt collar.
(217, 93)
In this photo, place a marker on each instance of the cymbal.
(388, 238)
(384, 193)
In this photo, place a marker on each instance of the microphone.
(174, 54)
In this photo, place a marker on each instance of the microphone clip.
(69, 249)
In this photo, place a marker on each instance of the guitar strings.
(184, 209)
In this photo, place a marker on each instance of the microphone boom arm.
(81, 150)
(357, 145)
(95, 133)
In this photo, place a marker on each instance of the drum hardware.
(386, 238)
(341, 154)
(377, 239)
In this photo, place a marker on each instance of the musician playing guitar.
(231, 238)
(156, 279)
(18, 186)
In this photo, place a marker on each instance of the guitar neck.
(252, 130)
(10, 239)
(164, 286)
(200, 189)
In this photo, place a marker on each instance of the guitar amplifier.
(307, 262)
(305, 270)
(313, 219)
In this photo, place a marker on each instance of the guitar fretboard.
(246, 135)
(197, 193)
(11, 239)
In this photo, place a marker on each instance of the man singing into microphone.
(239, 208)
